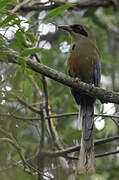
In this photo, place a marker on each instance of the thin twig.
(63, 115)
(16, 8)
(51, 128)
(5, 133)
(76, 148)
(107, 153)
(16, 146)
(19, 150)
(20, 117)
(28, 106)
(116, 122)
(41, 158)
(97, 155)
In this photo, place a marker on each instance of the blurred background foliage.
(25, 30)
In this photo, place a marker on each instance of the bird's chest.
(80, 63)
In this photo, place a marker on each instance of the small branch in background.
(19, 117)
(107, 153)
(41, 7)
(16, 146)
(19, 150)
(76, 148)
(46, 112)
(78, 5)
(42, 131)
(6, 133)
(56, 116)
(106, 140)
(116, 122)
(41, 158)
(36, 88)
(106, 22)
(97, 155)
(28, 106)
(76, 158)
(63, 115)
(116, 3)
(19, 6)
(51, 127)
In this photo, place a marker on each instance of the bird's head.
(78, 31)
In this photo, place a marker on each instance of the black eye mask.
(79, 29)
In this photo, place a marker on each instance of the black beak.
(66, 28)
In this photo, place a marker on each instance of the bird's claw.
(92, 85)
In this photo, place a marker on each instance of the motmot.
(84, 64)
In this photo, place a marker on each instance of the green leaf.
(57, 11)
(90, 12)
(4, 81)
(4, 57)
(20, 37)
(8, 19)
(27, 52)
(109, 11)
(3, 3)
(30, 37)
(29, 71)
(22, 62)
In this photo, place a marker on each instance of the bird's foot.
(92, 85)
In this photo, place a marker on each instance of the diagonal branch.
(103, 95)
(28, 106)
(19, 6)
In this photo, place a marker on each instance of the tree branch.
(19, 151)
(80, 5)
(19, 6)
(17, 147)
(97, 155)
(103, 95)
(107, 153)
(51, 128)
(63, 115)
(76, 148)
(28, 106)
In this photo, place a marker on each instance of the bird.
(84, 63)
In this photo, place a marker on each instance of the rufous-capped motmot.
(84, 63)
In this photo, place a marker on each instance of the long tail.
(86, 162)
